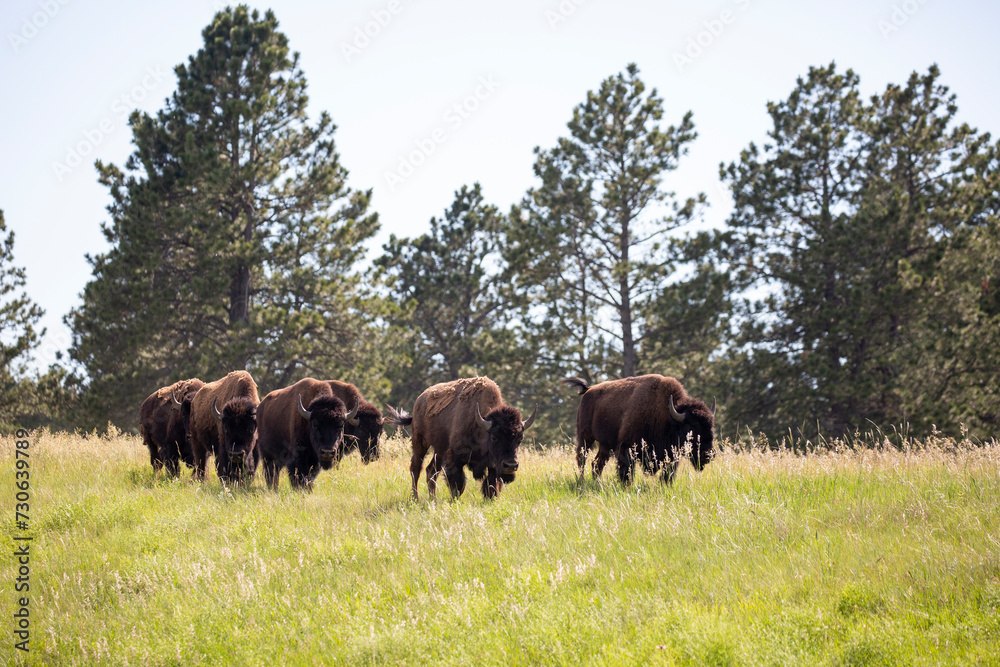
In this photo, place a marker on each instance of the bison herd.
(312, 424)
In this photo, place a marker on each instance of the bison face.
(367, 432)
(238, 428)
(505, 431)
(326, 416)
(699, 423)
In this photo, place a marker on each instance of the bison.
(164, 421)
(301, 428)
(224, 423)
(649, 415)
(364, 427)
(449, 418)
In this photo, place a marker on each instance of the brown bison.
(164, 421)
(364, 427)
(650, 416)
(449, 418)
(301, 428)
(224, 423)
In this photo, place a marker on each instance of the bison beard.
(302, 430)
(649, 417)
(164, 421)
(448, 419)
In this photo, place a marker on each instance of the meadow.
(842, 556)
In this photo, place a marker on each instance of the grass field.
(839, 557)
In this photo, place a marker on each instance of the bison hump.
(467, 390)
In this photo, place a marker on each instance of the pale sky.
(72, 70)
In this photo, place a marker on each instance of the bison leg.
(417, 461)
(271, 471)
(154, 453)
(222, 465)
(302, 471)
(433, 470)
(173, 467)
(601, 460)
(492, 484)
(456, 479)
(200, 460)
(250, 467)
(669, 471)
(626, 463)
(582, 447)
(171, 459)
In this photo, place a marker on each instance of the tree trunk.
(239, 296)
(629, 360)
(239, 290)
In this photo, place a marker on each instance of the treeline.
(853, 286)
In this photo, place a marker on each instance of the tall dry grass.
(841, 552)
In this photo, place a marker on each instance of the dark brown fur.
(286, 439)
(164, 426)
(366, 434)
(444, 420)
(232, 439)
(631, 418)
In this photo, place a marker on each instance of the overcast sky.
(391, 72)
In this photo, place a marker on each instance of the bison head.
(326, 416)
(238, 434)
(366, 432)
(505, 431)
(698, 423)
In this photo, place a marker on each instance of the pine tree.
(593, 235)
(19, 317)
(845, 200)
(233, 233)
(453, 287)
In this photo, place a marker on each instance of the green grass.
(840, 557)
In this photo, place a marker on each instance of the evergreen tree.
(19, 317)
(593, 248)
(844, 196)
(233, 233)
(453, 288)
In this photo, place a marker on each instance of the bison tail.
(577, 383)
(399, 417)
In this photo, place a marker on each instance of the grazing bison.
(648, 415)
(301, 428)
(164, 421)
(364, 427)
(448, 418)
(224, 423)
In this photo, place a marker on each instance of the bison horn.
(485, 423)
(713, 406)
(351, 418)
(525, 425)
(177, 403)
(673, 411)
(215, 411)
(302, 411)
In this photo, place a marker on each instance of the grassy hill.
(843, 556)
